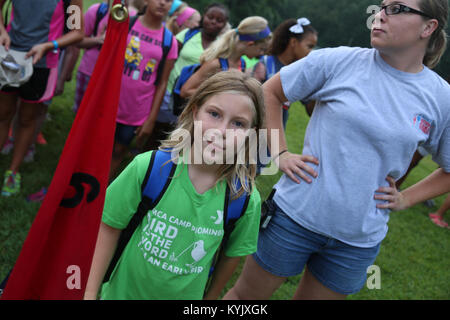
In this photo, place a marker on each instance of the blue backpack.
(100, 14)
(269, 62)
(190, 33)
(186, 73)
(157, 179)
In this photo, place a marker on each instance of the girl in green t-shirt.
(170, 253)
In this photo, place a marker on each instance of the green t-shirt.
(250, 63)
(170, 253)
(189, 54)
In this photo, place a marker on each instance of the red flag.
(56, 257)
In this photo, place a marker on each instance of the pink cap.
(186, 14)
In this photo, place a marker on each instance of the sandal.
(437, 220)
(38, 196)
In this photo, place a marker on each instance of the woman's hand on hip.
(295, 165)
(395, 200)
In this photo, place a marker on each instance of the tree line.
(339, 23)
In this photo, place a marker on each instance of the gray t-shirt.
(369, 121)
(36, 22)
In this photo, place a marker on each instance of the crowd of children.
(184, 233)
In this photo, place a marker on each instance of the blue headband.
(254, 36)
(175, 5)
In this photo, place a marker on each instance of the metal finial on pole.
(119, 11)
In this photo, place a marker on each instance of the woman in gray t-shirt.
(376, 106)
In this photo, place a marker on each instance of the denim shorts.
(124, 133)
(285, 247)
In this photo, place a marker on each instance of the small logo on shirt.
(218, 218)
(422, 123)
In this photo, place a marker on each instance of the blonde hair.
(225, 29)
(224, 46)
(438, 9)
(172, 20)
(221, 82)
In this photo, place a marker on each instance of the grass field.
(414, 258)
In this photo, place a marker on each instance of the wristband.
(278, 155)
(55, 46)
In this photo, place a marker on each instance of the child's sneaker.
(29, 157)
(8, 146)
(11, 183)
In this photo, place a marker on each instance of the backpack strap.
(167, 44)
(101, 13)
(157, 179)
(178, 103)
(243, 64)
(234, 209)
(185, 74)
(269, 62)
(132, 21)
(190, 33)
(225, 65)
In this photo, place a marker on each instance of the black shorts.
(39, 88)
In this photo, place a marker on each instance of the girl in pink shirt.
(140, 96)
(92, 43)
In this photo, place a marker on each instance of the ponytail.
(438, 41)
(436, 49)
(224, 46)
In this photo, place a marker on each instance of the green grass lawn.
(414, 258)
